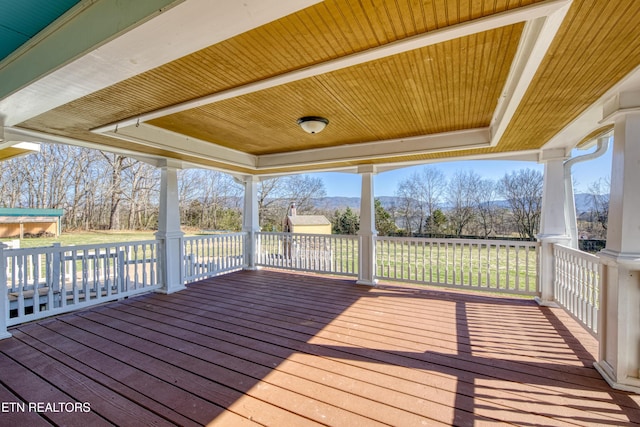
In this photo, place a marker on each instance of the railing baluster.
(577, 282)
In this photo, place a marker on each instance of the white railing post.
(4, 304)
(55, 268)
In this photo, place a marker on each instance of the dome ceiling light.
(313, 124)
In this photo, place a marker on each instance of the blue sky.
(386, 183)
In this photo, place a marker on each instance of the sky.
(386, 183)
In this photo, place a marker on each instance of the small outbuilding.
(307, 224)
(18, 222)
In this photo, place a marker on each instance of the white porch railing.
(321, 253)
(210, 255)
(577, 285)
(45, 281)
(50, 280)
(493, 265)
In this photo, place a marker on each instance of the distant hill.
(341, 203)
(337, 203)
(584, 202)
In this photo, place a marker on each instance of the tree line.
(99, 190)
(426, 203)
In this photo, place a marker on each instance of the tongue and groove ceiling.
(400, 81)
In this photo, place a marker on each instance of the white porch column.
(4, 304)
(250, 220)
(367, 231)
(553, 225)
(619, 327)
(170, 252)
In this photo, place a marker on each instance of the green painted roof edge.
(30, 212)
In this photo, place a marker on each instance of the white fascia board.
(28, 146)
(447, 141)
(537, 36)
(22, 145)
(524, 156)
(17, 135)
(156, 137)
(510, 17)
(79, 68)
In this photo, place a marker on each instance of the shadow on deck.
(274, 348)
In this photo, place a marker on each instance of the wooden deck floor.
(282, 349)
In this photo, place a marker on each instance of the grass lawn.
(86, 238)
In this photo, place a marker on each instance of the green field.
(86, 238)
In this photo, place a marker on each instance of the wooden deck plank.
(13, 415)
(435, 338)
(257, 320)
(309, 349)
(212, 396)
(368, 339)
(35, 390)
(118, 387)
(275, 348)
(237, 373)
(80, 388)
(191, 406)
(348, 354)
(452, 368)
(273, 358)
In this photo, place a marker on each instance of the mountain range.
(584, 202)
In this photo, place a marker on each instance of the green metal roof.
(20, 20)
(30, 212)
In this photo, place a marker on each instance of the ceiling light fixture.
(313, 124)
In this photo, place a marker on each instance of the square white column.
(619, 358)
(367, 231)
(250, 220)
(170, 251)
(553, 222)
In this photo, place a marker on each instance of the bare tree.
(141, 184)
(599, 192)
(522, 189)
(409, 208)
(117, 164)
(420, 195)
(485, 207)
(80, 193)
(209, 199)
(461, 195)
(277, 194)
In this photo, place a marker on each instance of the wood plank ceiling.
(450, 86)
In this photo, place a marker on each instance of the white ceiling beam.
(448, 141)
(522, 156)
(156, 137)
(19, 135)
(537, 36)
(514, 16)
(91, 50)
